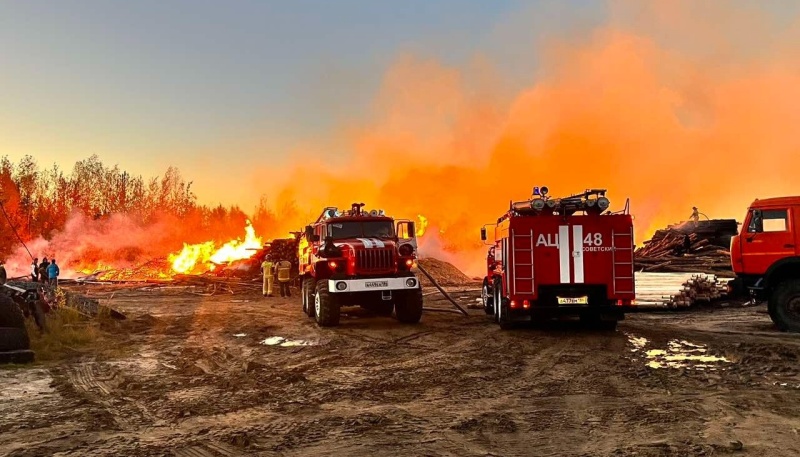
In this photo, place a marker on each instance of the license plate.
(573, 300)
(376, 284)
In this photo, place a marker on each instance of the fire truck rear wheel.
(784, 306)
(308, 296)
(326, 306)
(487, 298)
(501, 309)
(408, 307)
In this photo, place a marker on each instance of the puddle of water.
(283, 342)
(678, 354)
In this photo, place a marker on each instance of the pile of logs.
(679, 248)
(698, 289)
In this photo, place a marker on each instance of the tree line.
(39, 201)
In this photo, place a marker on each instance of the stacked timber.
(698, 289)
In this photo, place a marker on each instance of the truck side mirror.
(310, 235)
(483, 233)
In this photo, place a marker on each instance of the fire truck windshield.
(361, 229)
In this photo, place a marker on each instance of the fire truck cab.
(554, 257)
(359, 258)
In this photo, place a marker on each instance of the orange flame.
(194, 258)
(423, 224)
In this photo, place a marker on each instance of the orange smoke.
(665, 108)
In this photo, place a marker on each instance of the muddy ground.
(242, 375)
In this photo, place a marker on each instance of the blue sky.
(222, 86)
(151, 83)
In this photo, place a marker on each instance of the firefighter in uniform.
(284, 269)
(266, 269)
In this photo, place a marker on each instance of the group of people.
(280, 270)
(46, 272)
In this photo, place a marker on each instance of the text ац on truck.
(554, 257)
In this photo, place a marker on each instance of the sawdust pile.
(445, 273)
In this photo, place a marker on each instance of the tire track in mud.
(209, 449)
(97, 383)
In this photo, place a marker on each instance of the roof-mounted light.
(537, 204)
(603, 203)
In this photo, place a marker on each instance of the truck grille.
(375, 260)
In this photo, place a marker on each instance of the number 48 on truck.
(553, 257)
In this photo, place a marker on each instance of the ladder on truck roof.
(522, 243)
(622, 261)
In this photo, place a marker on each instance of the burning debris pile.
(701, 246)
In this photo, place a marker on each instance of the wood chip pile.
(445, 273)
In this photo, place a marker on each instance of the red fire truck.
(359, 258)
(555, 257)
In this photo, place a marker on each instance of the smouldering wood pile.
(688, 247)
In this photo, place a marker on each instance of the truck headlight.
(411, 282)
(341, 285)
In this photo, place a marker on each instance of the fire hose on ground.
(446, 295)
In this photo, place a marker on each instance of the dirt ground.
(244, 375)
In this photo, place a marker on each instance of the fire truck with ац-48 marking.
(359, 258)
(554, 257)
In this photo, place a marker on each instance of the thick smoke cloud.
(660, 104)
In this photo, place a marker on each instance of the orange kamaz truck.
(766, 258)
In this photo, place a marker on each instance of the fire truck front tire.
(784, 306)
(326, 306)
(10, 314)
(408, 307)
(487, 297)
(309, 288)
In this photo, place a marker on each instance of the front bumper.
(372, 284)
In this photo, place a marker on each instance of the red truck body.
(766, 258)
(566, 259)
(359, 258)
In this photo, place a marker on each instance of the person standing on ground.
(284, 268)
(35, 269)
(3, 274)
(52, 273)
(43, 270)
(266, 270)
